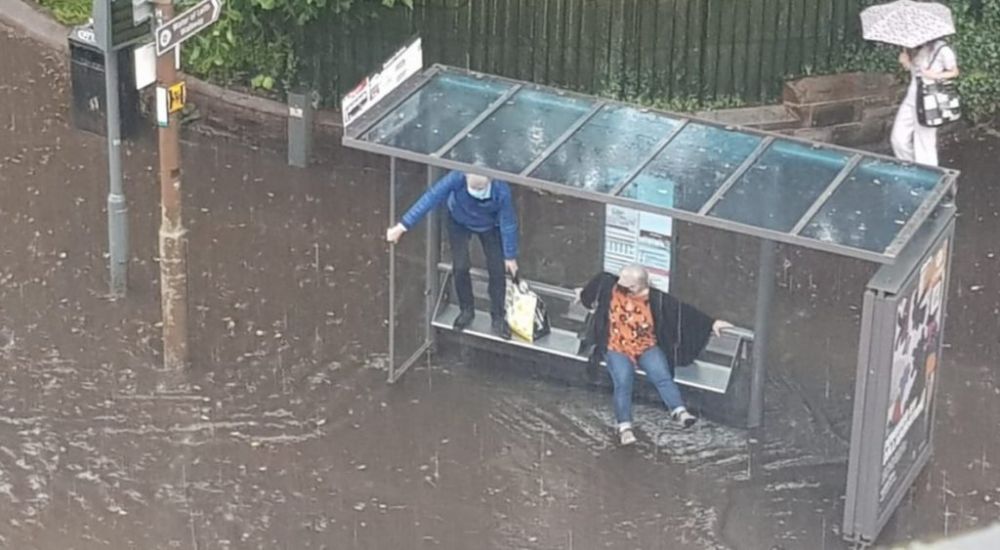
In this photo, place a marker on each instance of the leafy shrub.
(256, 42)
(978, 47)
(68, 12)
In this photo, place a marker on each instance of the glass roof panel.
(435, 113)
(872, 205)
(780, 186)
(603, 152)
(691, 167)
(520, 130)
(832, 199)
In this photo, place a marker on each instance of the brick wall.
(848, 109)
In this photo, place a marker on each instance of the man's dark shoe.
(501, 328)
(464, 319)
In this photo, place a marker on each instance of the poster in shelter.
(916, 345)
(632, 236)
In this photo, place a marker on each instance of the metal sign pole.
(117, 207)
(173, 236)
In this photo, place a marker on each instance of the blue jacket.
(476, 215)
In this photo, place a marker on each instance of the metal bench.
(716, 383)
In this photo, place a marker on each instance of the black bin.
(86, 62)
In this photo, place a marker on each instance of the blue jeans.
(622, 369)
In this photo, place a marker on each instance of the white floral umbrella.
(906, 23)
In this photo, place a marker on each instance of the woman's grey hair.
(636, 273)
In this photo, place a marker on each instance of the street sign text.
(170, 34)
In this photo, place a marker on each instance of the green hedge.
(978, 45)
(69, 12)
(254, 43)
(258, 44)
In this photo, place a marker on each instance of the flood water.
(284, 434)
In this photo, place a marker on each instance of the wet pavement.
(285, 435)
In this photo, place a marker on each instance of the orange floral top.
(631, 325)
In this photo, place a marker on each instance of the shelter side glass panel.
(408, 310)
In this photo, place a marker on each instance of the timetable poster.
(632, 236)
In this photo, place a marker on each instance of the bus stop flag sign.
(169, 35)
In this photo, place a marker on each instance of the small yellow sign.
(176, 97)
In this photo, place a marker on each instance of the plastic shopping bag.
(526, 314)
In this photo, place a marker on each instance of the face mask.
(480, 194)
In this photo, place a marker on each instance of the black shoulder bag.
(938, 102)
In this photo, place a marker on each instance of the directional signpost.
(168, 36)
(172, 33)
(118, 24)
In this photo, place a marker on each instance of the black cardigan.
(682, 330)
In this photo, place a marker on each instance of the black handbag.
(588, 339)
(588, 335)
(938, 102)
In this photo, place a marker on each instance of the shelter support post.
(762, 329)
(392, 272)
(431, 281)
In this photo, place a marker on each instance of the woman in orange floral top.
(638, 327)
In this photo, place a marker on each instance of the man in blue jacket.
(477, 206)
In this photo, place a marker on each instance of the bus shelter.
(774, 188)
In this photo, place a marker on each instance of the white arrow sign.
(170, 34)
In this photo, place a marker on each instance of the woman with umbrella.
(918, 27)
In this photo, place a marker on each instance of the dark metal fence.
(667, 50)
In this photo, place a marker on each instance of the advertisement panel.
(902, 335)
(917, 341)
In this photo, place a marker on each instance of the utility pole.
(173, 237)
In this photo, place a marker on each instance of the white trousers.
(911, 141)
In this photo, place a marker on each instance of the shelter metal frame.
(931, 222)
